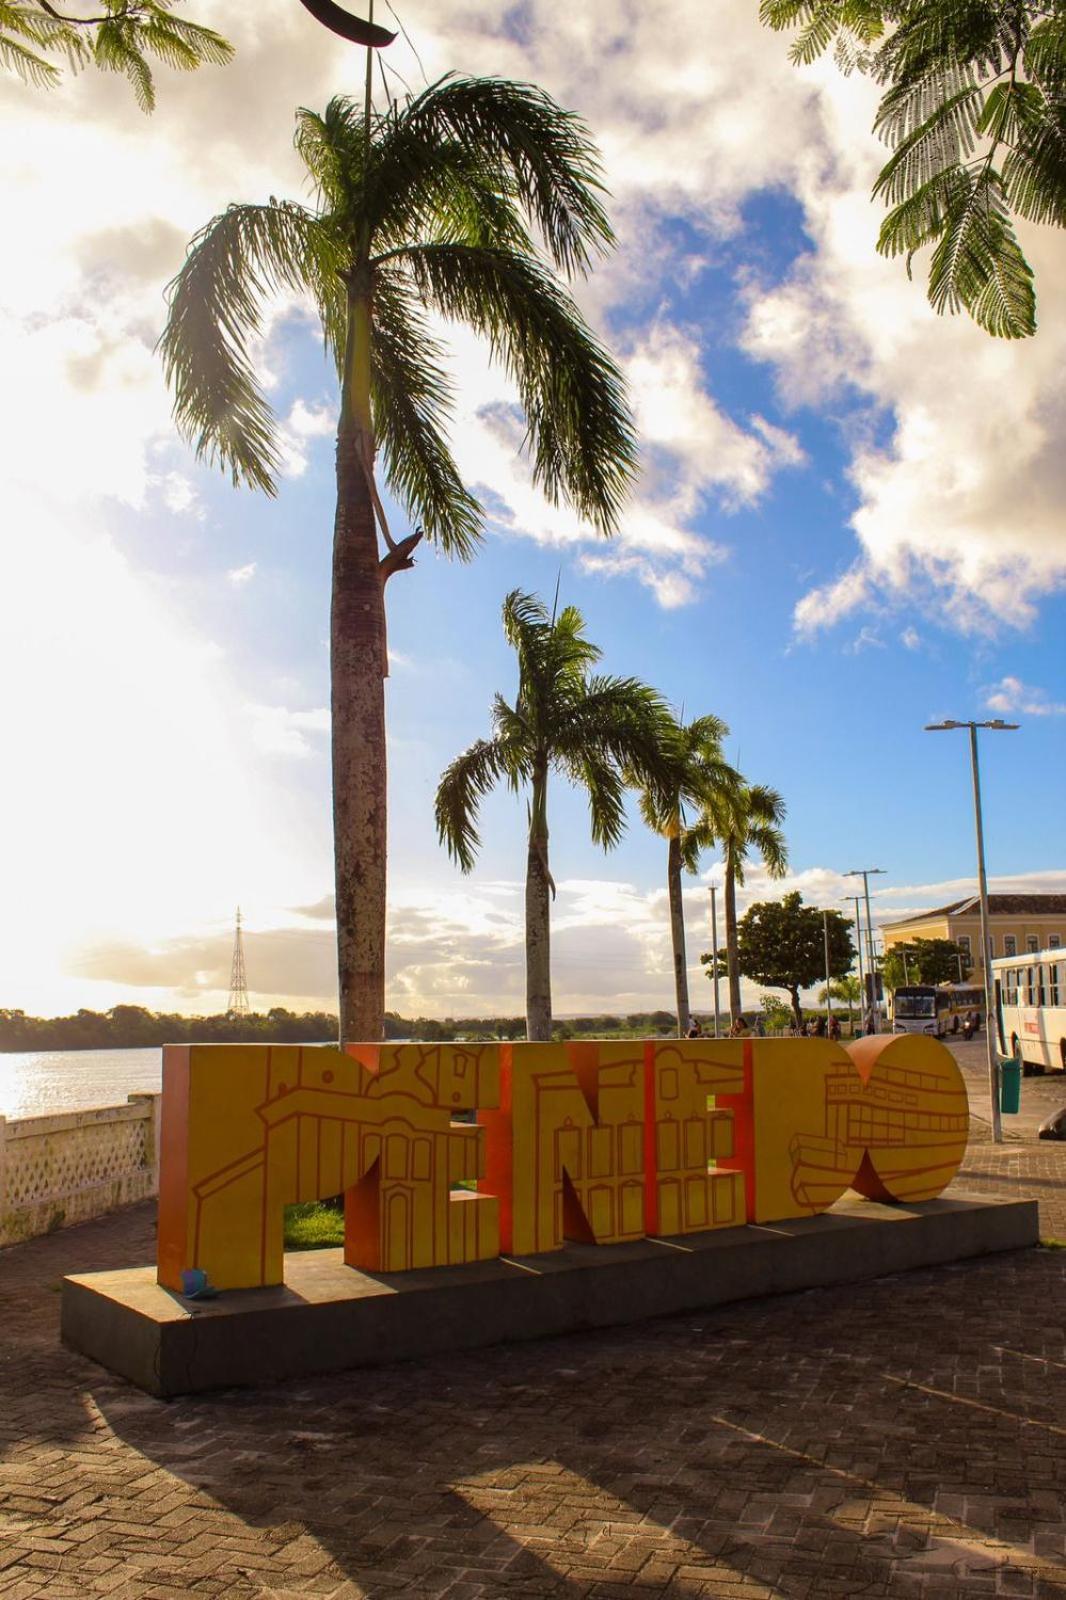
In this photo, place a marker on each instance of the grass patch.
(313, 1226)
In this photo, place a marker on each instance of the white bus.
(1031, 1008)
(936, 1008)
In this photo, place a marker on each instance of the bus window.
(1053, 974)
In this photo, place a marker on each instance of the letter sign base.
(328, 1317)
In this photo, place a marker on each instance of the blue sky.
(849, 524)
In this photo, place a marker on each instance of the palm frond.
(579, 430)
(334, 151)
(238, 258)
(694, 841)
(412, 399)
(624, 721)
(463, 786)
(420, 185)
(548, 151)
(603, 784)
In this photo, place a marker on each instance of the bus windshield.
(915, 1003)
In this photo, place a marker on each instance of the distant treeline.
(130, 1027)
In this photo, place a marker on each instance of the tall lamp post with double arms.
(997, 725)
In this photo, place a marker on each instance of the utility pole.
(714, 954)
(998, 726)
(866, 873)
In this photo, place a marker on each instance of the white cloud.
(304, 423)
(911, 639)
(958, 505)
(457, 950)
(239, 576)
(1012, 695)
(866, 639)
(278, 731)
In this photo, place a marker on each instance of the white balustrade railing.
(62, 1169)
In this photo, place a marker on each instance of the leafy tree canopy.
(37, 40)
(927, 961)
(974, 112)
(781, 945)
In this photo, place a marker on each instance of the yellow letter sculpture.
(595, 1142)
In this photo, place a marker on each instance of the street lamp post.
(853, 899)
(714, 954)
(866, 873)
(825, 942)
(998, 726)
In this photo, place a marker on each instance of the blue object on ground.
(194, 1285)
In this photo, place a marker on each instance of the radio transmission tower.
(239, 1005)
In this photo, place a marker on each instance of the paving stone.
(903, 1438)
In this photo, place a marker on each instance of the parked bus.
(936, 1008)
(1031, 1008)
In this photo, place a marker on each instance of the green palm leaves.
(697, 777)
(460, 204)
(121, 36)
(592, 729)
(975, 113)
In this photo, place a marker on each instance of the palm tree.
(743, 820)
(591, 728)
(698, 777)
(430, 206)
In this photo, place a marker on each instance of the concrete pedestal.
(328, 1317)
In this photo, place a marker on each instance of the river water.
(39, 1083)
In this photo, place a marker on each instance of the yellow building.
(1017, 925)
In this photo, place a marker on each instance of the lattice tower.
(239, 1004)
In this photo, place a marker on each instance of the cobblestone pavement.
(904, 1438)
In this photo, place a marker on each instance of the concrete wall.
(58, 1170)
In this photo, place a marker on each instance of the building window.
(963, 942)
(1053, 941)
(1032, 943)
(1010, 945)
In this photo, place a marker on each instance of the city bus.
(936, 1008)
(1031, 1008)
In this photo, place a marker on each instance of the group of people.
(814, 1028)
(739, 1028)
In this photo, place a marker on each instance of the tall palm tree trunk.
(732, 952)
(677, 933)
(357, 651)
(538, 914)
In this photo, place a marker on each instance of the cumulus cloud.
(303, 423)
(1012, 695)
(239, 576)
(279, 731)
(459, 951)
(958, 497)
